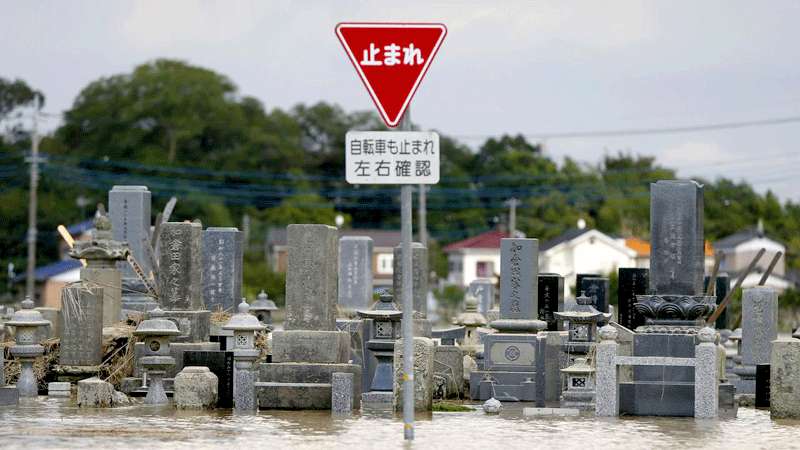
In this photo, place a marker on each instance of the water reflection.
(58, 423)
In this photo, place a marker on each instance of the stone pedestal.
(784, 401)
(423, 374)
(195, 388)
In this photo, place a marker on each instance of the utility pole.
(34, 185)
(423, 215)
(512, 203)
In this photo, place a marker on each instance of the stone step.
(274, 395)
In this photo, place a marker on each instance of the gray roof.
(564, 237)
(380, 238)
(737, 238)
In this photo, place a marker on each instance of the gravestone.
(632, 282)
(676, 228)
(759, 329)
(513, 365)
(762, 385)
(355, 272)
(579, 281)
(419, 276)
(82, 330)
(484, 291)
(180, 272)
(721, 288)
(129, 208)
(784, 389)
(220, 363)
(597, 289)
(222, 268)
(311, 284)
(551, 299)
(424, 368)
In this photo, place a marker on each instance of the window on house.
(484, 269)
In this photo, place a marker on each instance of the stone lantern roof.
(157, 326)
(262, 303)
(102, 246)
(579, 367)
(384, 309)
(27, 316)
(243, 321)
(584, 311)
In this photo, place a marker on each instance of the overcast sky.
(524, 67)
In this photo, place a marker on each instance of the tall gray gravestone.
(355, 272)
(677, 249)
(129, 209)
(180, 275)
(759, 329)
(519, 282)
(82, 328)
(311, 277)
(419, 256)
(222, 268)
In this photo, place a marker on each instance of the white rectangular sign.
(392, 157)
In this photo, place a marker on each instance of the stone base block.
(59, 389)
(784, 402)
(279, 379)
(133, 386)
(667, 399)
(377, 400)
(9, 396)
(95, 393)
(73, 374)
(667, 345)
(560, 412)
(423, 374)
(323, 347)
(195, 388)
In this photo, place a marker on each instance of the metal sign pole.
(408, 302)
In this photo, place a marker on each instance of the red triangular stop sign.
(391, 59)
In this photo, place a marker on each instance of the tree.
(15, 95)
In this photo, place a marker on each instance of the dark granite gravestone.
(220, 363)
(579, 281)
(632, 282)
(597, 289)
(222, 268)
(722, 286)
(551, 299)
(762, 385)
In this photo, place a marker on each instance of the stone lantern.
(580, 386)
(26, 348)
(262, 308)
(244, 326)
(382, 328)
(155, 333)
(471, 319)
(581, 322)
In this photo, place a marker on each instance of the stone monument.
(222, 268)
(419, 256)
(81, 351)
(309, 349)
(513, 366)
(355, 273)
(784, 401)
(759, 329)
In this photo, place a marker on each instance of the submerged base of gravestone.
(424, 352)
(9, 396)
(513, 369)
(293, 385)
(327, 347)
(745, 381)
(377, 401)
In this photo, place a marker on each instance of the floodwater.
(57, 423)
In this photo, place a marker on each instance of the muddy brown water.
(57, 423)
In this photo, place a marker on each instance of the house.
(383, 244)
(642, 249)
(740, 248)
(474, 257)
(584, 250)
(578, 250)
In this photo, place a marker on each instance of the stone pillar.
(355, 273)
(607, 392)
(784, 389)
(244, 384)
(129, 208)
(341, 393)
(423, 374)
(311, 277)
(222, 268)
(419, 266)
(180, 275)
(82, 330)
(706, 376)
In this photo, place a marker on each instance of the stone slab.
(553, 363)
(559, 412)
(311, 278)
(721, 287)
(664, 345)
(355, 272)
(326, 347)
(294, 396)
(596, 288)
(657, 399)
(519, 269)
(512, 352)
(194, 326)
(95, 393)
(484, 290)
(110, 279)
(762, 385)
(223, 262)
(59, 389)
(449, 364)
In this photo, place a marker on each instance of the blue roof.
(45, 272)
(80, 228)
